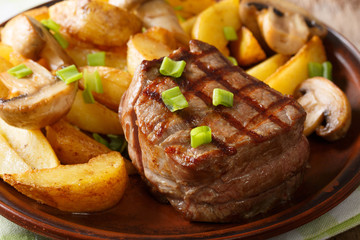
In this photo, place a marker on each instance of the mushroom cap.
(279, 25)
(32, 40)
(42, 105)
(327, 107)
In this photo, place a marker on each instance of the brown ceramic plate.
(334, 174)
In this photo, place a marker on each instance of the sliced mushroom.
(37, 100)
(327, 107)
(280, 25)
(28, 37)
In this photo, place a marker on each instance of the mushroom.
(327, 107)
(280, 25)
(155, 13)
(28, 37)
(37, 100)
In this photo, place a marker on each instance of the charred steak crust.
(258, 153)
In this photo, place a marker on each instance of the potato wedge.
(116, 57)
(5, 51)
(188, 25)
(142, 47)
(264, 69)
(293, 72)
(96, 22)
(93, 117)
(189, 8)
(89, 187)
(10, 161)
(71, 145)
(210, 23)
(114, 82)
(30, 145)
(246, 49)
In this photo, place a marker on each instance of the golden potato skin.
(89, 187)
(96, 22)
(296, 68)
(71, 145)
(114, 83)
(147, 46)
(93, 117)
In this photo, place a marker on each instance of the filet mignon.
(257, 155)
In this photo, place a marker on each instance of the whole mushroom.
(327, 107)
(280, 25)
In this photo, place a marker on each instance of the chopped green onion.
(50, 24)
(20, 71)
(174, 99)
(172, 68)
(200, 135)
(117, 143)
(327, 73)
(233, 60)
(96, 59)
(69, 74)
(87, 96)
(100, 139)
(230, 33)
(61, 40)
(92, 81)
(178, 8)
(143, 29)
(180, 18)
(315, 69)
(223, 97)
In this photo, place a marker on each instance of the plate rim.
(51, 230)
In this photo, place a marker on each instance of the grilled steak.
(257, 155)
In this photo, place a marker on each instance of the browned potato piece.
(210, 23)
(189, 8)
(114, 82)
(145, 46)
(71, 145)
(288, 77)
(264, 69)
(246, 49)
(95, 22)
(88, 187)
(116, 57)
(93, 117)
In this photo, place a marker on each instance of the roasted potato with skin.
(114, 82)
(189, 8)
(93, 117)
(30, 145)
(10, 161)
(116, 57)
(71, 145)
(89, 187)
(95, 22)
(209, 25)
(143, 46)
(264, 69)
(246, 49)
(296, 69)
